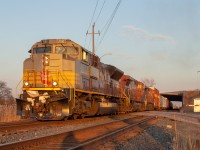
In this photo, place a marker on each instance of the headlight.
(55, 83)
(46, 61)
(26, 83)
(40, 114)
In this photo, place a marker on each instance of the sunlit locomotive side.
(62, 79)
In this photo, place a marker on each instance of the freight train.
(62, 79)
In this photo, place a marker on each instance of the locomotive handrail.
(31, 73)
(70, 87)
(18, 86)
(126, 97)
(28, 71)
(143, 98)
(68, 82)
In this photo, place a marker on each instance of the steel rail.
(103, 138)
(31, 143)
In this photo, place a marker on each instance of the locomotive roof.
(127, 77)
(57, 41)
(53, 41)
(50, 41)
(115, 72)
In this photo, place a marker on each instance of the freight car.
(164, 103)
(62, 79)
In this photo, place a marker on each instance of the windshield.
(70, 50)
(42, 50)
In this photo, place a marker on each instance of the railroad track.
(6, 128)
(15, 124)
(19, 127)
(81, 139)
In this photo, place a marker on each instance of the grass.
(187, 142)
(186, 138)
(8, 113)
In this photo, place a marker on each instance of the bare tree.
(5, 94)
(149, 82)
(5, 91)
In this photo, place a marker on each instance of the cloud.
(141, 33)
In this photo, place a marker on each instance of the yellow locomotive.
(62, 79)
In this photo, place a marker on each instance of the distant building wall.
(188, 101)
(189, 96)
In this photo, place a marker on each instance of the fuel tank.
(106, 108)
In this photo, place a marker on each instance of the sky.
(147, 38)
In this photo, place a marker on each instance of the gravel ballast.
(171, 131)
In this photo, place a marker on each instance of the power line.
(93, 15)
(85, 39)
(100, 11)
(91, 20)
(99, 16)
(88, 47)
(107, 25)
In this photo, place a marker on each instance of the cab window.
(70, 50)
(60, 50)
(42, 50)
(85, 56)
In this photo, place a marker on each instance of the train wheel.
(66, 118)
(74, 116)
(82, 116)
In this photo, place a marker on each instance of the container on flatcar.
(164, 102)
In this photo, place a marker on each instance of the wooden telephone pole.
(93, 33)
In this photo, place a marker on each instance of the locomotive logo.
(44, 77)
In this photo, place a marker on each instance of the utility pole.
(93, 53)
(93, 33)
(197, 79)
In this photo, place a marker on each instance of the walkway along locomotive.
(62, 79)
